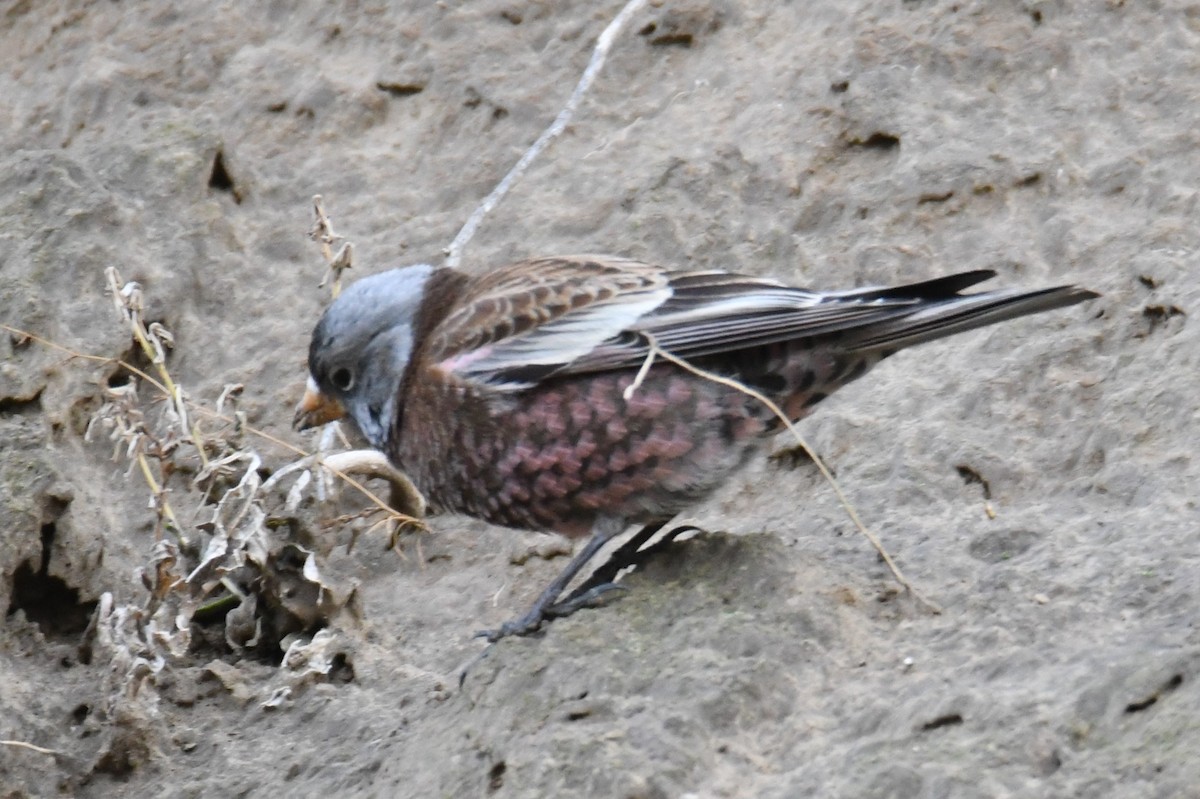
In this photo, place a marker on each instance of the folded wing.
(538, 319)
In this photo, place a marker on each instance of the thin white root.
(23, 745)
(371, 463)
(406, 499)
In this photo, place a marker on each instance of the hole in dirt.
(1157, 315)
(496, 776)
(134, 357)
(270, 622)
(221, 180)
(1138, 707)
(209, 631)
(80, 714)
(970, 476)
(126, 752)
(19, 341)
(21, 405)
(399, 88)
(948, 720)
(934, 197)
(672, 40)
(887, 594)
(877, 141)
(49, 603)
(795, 457)
(341, 670)
(1150, 701)
(47, 600)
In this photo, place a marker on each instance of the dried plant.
(214, 556)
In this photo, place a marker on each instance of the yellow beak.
(316, 408)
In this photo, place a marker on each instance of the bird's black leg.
(600, 583)
(531, 621)
(602, 579)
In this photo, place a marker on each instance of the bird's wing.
(718, 312)
(523, 323)
(711, 313)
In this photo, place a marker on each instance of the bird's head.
(360, 350)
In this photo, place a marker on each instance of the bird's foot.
(593, 597)
(528, 624)
(541, 612)
(595, 591)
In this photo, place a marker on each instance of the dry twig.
(322, 233)
(599, 55)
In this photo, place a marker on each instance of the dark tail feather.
(940, 288)
(947, 315)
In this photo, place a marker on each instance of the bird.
(529, 395)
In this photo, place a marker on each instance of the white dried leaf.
(280, 696)
(216, 550)
(113, 278)
(131, 298)
(159, 331)
(231, 393)
(344, 258)
(296, 493)
(161, 340)
(311, 572)
(309, 657)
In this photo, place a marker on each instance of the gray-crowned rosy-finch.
(503, 395)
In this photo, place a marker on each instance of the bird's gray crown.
(361, 347)
(388, 298)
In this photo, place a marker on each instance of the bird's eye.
(342, 379)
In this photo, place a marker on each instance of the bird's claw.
(525, 625)
(593, 597)
(531, 622)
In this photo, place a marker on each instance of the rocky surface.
(829, 143)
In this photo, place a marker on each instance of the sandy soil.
(832, 144)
